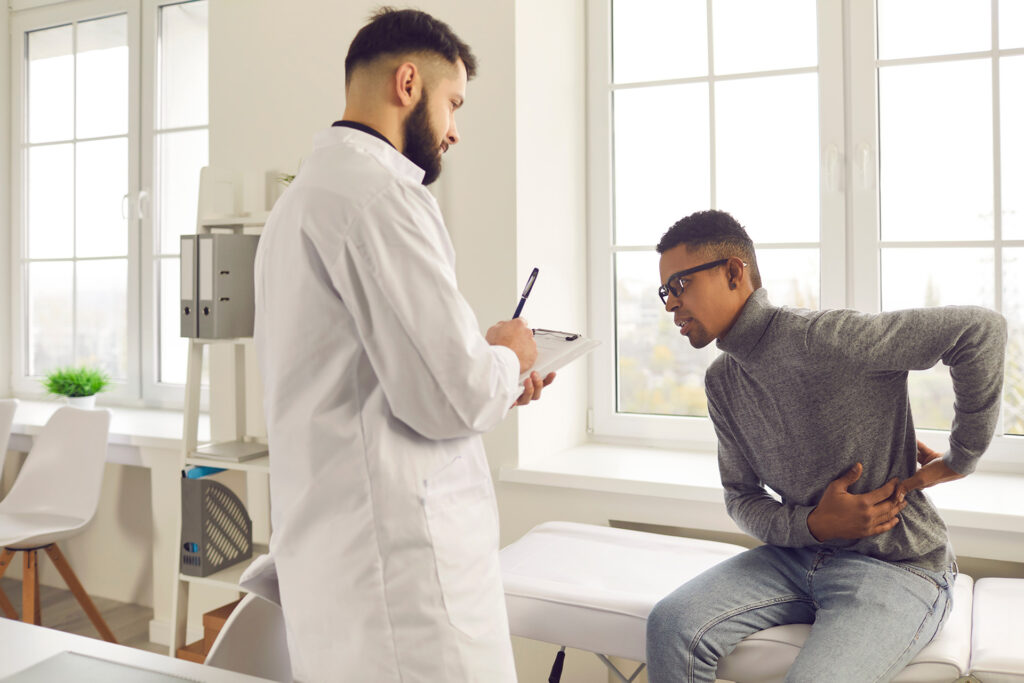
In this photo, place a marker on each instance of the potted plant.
(78, 386)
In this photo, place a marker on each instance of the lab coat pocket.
(464, 532)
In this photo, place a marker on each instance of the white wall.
(551, 216)
(5, 205)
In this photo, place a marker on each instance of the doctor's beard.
(422, 146)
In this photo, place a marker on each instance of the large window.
(876, 157)
(109, 133)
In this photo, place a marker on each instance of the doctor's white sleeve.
(395, 276)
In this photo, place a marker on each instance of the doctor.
(378, 385)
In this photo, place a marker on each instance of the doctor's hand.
(932, 471)
(532, 388)
(516, 335)
(841, 514)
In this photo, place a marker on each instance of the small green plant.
(72, 382)
(286, 178)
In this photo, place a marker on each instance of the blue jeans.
(870, 618)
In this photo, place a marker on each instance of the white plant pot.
(86, 402)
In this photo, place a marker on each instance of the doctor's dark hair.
(394, 32)
(717, 235)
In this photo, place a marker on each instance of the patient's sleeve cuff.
(959, 462)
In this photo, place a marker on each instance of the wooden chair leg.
(76, 589)
(6, 556)
(30, 612)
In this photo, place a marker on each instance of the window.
(876, 180)
(109, 133)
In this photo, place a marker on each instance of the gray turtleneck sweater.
(799, 396)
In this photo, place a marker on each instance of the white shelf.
(260, 464)
(219, 192)
(229, 577)
(253, 220)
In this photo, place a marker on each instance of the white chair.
(253, 641)
(8, 406)
(55, 497)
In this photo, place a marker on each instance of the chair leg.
(6, 555)
(30, 612)
(76, 589)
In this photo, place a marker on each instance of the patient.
(813, 404)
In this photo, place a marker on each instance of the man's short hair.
(397, 32)
(717, 235)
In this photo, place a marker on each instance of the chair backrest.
(7, 408)
(63, 472)
(253, 641)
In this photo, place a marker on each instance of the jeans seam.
(728, 615)
(917, 635)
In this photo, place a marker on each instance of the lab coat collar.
(750, 326)
(388, 156)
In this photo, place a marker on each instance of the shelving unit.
(210, 181)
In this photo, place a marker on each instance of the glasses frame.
(667, 288)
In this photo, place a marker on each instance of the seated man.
(813, 404)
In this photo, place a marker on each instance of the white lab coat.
(378, 385)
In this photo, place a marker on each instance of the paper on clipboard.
(557, 349)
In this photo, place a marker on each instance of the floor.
(130, 623)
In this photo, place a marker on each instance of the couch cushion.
(998, 652)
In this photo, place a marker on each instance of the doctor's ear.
(408, 82)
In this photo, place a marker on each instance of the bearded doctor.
(378, 385)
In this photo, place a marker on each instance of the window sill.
(130, 428)
(984, 511)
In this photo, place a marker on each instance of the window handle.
(143, 206)
(124, 206)
(866, 160)
(833, 170)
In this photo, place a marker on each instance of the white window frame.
(142, 387)
(22, 22)
(155, 392)
(865, 236)
(848, 143)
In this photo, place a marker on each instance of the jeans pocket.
(940, 581)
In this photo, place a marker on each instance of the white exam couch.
(591, 588)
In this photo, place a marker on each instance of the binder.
(226, 298)
(189, 299)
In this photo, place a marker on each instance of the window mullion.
(832, 150)
(863, 282)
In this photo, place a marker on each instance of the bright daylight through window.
(735, 104)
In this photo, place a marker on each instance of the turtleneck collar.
(750, 326)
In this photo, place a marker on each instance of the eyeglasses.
(675, 284)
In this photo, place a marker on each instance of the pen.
(526, 293)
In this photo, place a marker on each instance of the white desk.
(22, 645)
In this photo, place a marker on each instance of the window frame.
(23, 22)
(155, 392)
(697, 432)
(850, 242)
(142, 386)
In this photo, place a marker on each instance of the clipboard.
(557, 349)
